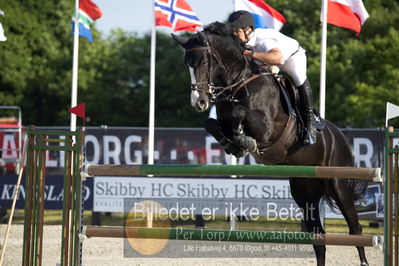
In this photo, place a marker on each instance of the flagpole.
(323, 57)
(74, 94)
(151, 125)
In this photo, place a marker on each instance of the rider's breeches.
(295, 66)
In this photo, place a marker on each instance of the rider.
(271, 47)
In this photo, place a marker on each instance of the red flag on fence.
(78, 110)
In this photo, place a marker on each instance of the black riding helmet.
(240, 20)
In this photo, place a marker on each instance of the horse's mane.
(226, 38)
(218, 28)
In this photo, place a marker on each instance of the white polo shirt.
(264, 40)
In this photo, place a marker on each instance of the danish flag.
(176, 14)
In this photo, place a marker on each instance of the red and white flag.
(264, 15)
(350, 14)
(176, 14)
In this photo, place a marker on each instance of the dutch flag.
(264, 15)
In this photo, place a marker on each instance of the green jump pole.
(372, 174)
(199, 234)
(232, 236)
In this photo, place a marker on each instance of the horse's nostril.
(202, 102)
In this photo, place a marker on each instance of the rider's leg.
(295, 66)
(305, 94)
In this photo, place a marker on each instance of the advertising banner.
(53, 192)
(269, 197)
(108, 145)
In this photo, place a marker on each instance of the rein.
(216, 91)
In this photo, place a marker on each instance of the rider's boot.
(305, 94)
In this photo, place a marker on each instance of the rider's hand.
(248, 54)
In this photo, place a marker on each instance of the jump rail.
(259, 171)
(73, 233)
(235, 236)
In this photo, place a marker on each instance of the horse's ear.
(202, 38)
(182, 41)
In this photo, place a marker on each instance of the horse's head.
(203, 63)
(206, 58)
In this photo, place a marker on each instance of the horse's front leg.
(212, 127)
(244, 141)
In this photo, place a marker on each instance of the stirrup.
(308, 139)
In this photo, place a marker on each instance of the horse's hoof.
(240, 153)
(364, 264)
(252, 146)
(246, 142)
(234, 150)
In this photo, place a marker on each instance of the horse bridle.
(212, 90)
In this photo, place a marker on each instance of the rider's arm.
(272, 57)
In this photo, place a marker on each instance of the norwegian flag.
(176, 14)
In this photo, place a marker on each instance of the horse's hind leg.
(313, 225)
(343, 197)
(307, 195)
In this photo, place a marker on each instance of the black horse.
(252, 117)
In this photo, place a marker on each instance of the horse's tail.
(355, 187)
(358, 186)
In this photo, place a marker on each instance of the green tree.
(361, 72)
(116, 83)
(35, 57)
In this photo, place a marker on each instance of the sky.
(136, 16)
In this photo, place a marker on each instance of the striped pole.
(233, 236)
(372, 174)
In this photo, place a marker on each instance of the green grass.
(54, 217)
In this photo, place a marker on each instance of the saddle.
(292, 103)
(277, 151)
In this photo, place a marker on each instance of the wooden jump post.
(257, 171)
(391, 191)
(39, 142)
(232, 236)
